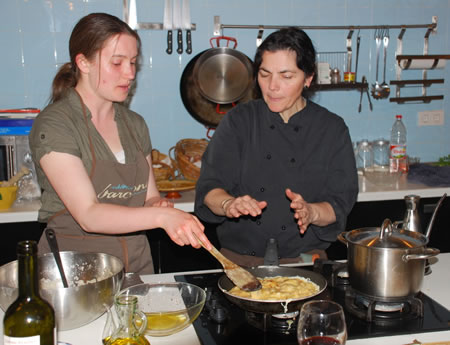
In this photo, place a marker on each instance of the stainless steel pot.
(386, 263)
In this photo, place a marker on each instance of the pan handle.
(341, 237)
(226, 38)
(208, 135)
(428, 253)
(218, 111)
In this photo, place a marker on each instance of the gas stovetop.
(223, 323)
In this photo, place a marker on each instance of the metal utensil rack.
(430, 28)
(144, 25)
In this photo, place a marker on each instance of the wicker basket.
(187, 153)
(162, 170)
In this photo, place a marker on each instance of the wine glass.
(321, 322)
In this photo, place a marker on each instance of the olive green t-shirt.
(61, 127)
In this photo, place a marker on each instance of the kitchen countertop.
(434, 285)
(368, 191)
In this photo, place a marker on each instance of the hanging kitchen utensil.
(358, 43)
(167, 24)
(239, 276)
(386, 90)
(52, 242)
(186, 14)
(376, 88)
(364, 80)
(360, 100)
(177, 23)
(132, 16)
(223, 74)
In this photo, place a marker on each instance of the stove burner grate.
(280, 323)
(381, 312)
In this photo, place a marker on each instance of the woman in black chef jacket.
(280, 166)
(93, 155)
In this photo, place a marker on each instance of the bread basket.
(161, 169)
(188, 154)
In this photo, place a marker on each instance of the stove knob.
(218, 314)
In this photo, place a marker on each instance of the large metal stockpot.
(386, 263)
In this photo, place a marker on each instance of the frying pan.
(272, 306)
(223, 74)
(200, 108)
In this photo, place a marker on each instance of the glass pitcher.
(127, 325)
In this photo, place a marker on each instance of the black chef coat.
(254, 152)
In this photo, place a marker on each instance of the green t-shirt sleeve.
(52, 132)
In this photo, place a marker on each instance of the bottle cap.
(398, 116)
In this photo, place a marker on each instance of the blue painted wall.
(34, 43)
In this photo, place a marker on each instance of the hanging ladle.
(376, 88)
(51, 239)
(386, 90)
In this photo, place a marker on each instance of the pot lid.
(387, 237)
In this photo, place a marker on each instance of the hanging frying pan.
(223, 74)
(201, 108)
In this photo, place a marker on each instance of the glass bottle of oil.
(127, 331)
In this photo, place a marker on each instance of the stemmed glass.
(321, 323)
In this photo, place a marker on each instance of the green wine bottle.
(29, 320)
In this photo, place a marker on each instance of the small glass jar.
(380, 153)
(335, 76)
(364, 155)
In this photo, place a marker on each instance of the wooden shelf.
(339, 86)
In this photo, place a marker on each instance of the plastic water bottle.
(398, 158)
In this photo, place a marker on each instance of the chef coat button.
(292, 160)
(296, 128)
(258, 222)
(252, 253)
(272, 127)
(269, 156)
(262, 189)
(283, 227)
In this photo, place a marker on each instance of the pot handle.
(428, 253)
(341, 237)
(398, 224)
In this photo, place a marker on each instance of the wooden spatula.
(238, 275)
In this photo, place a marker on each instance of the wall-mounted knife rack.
(430, 28)
(144, 25)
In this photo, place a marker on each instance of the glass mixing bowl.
(169, 307)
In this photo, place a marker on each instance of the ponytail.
(65, 79)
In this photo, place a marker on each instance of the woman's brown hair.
(88, 37)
